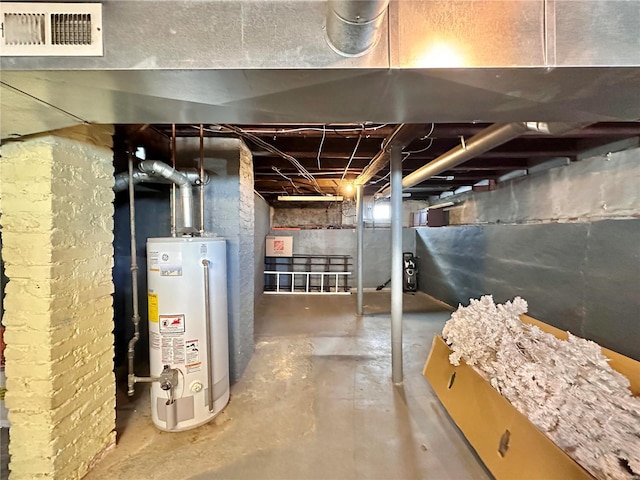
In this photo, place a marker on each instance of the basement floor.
(316, 402)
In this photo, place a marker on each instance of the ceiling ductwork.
(438, 60)
(353, 26)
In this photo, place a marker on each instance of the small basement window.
(382, 212)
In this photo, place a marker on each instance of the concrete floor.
(316, 402)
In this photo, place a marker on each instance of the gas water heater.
(188, 337)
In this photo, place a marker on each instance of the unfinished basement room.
(320, 239)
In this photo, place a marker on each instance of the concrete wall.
(262, 226)
(576, 270)
(57, 225)
(600, 187)
(377, 248)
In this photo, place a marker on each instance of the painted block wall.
(341, 214)
(57, 210)
(153, 219)
(229, 213)
(377, 248)
(597, 188)
(262, 224)
(547, 239)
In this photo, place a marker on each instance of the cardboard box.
(510, 446)
(278, 246)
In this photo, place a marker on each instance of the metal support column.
(396, 264)
(360, 247)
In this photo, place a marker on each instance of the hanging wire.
(275, 169)
(324, 133)
(267, 146)
(315, 129)
(406, 155)
(353, 154)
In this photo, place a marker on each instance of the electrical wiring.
(267, 146)
(275, 169)
(353, 154)
(407, 154)
(324, 134)
(315, 129)
(421, 150)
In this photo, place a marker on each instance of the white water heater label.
(154, 258)
(173, 349)
(172, 323)
(170, 264)
(192, 348)
(154, 340)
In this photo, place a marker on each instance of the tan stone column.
(57, 230)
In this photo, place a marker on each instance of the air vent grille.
(71, 29)
(50, 29)
(24, 28)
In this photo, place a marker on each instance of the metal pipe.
(173, 187)
(486, 140)
(201, 180)
(155, 167)
(122, 179)
(134, 280)
(207, 312)
(396, 264)
(353, 26)
(360, 247)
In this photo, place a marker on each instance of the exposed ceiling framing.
(326, 150)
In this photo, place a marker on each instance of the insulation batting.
(566, 388)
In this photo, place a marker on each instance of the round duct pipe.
(353, 26)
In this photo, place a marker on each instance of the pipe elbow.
(156, 167)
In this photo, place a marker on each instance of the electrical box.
(279, 246)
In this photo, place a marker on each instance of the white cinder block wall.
(57, 224)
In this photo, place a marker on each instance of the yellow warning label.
(153, 307)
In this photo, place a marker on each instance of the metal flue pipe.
(353, 26)
(155, 167)
(486, 140)
(122, 179)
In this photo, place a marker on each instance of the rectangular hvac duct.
(50, 29)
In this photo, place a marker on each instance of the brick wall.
(57, 210)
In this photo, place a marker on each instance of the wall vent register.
(51, 29)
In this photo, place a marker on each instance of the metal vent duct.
(50, 29)
(353, 26)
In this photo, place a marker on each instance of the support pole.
(360, 247)
(396, 264)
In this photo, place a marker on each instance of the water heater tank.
(179, 273)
